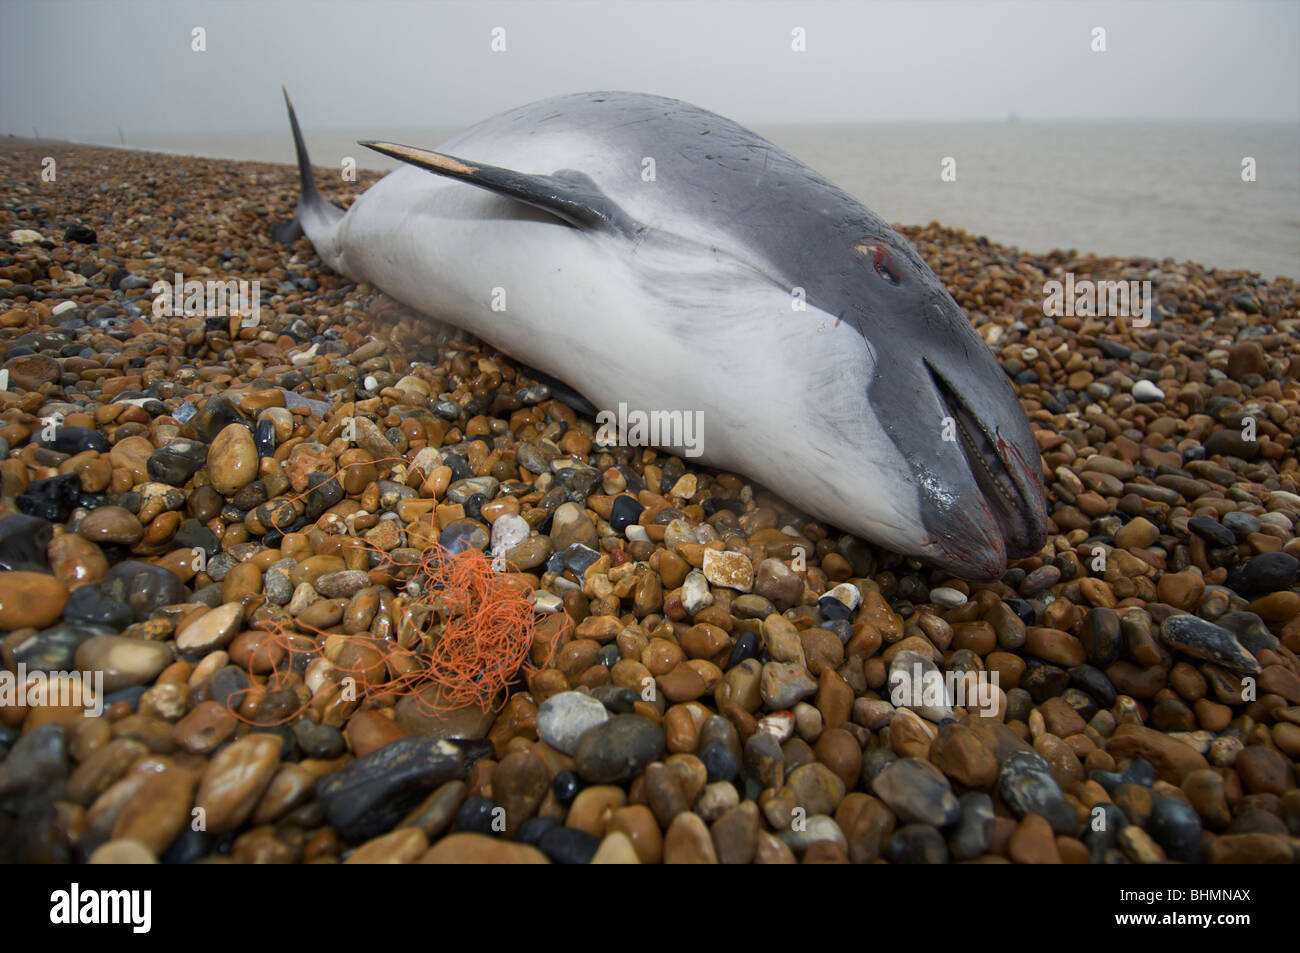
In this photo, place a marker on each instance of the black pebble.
(1094, 682)
(55, 648)
(913, 589)
(23, 540)
(53, 498)
(91, 604)
(218, 411)
(746, 647)
(566, 786)
(625, 511)
(477, 813)
(715, 504)
(1022, 609)
(189, 846)
(474, 505)
(1211, 531)
(916, 844)
(195, 535)
(841, 627)
(264, 437)
(1102, 637)
(73, 440)
(177, 462)
(323, 491)
(459, 466)
(1044, 681)
(579, 558)
(1268, 572)
(534, 829)
(567, 845)
(831, 608)
(719, 761)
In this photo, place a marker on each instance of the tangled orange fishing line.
(468, 630)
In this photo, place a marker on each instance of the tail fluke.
(314, 213)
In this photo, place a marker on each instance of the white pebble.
(547, 603)
(947, 598)
(695, 592)
(564, 718)
(851, 596)
(1147, 392)
(426, 461)
(508, 532)
(779, 725)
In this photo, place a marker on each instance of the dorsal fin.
(314, 213)
(568, 195)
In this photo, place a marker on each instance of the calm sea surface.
(1161, 189)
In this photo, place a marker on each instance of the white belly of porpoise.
(667, 326)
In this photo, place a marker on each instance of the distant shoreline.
(1277, 260)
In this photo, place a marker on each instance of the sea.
(1223, 194)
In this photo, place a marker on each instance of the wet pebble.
(374, 792)
(563, 719)
(1027, 786)
(618, 750)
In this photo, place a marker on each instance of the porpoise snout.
(1000, 509)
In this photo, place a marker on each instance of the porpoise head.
(973, 494)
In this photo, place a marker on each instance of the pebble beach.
(206, 515)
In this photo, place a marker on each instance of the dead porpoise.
(652, 254)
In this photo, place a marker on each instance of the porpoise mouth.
(1011, 488)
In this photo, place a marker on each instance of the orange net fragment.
(489, 629)
(462, 633)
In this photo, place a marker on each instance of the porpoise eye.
(879, 253)
(883, 268)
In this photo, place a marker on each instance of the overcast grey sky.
(78, 70)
